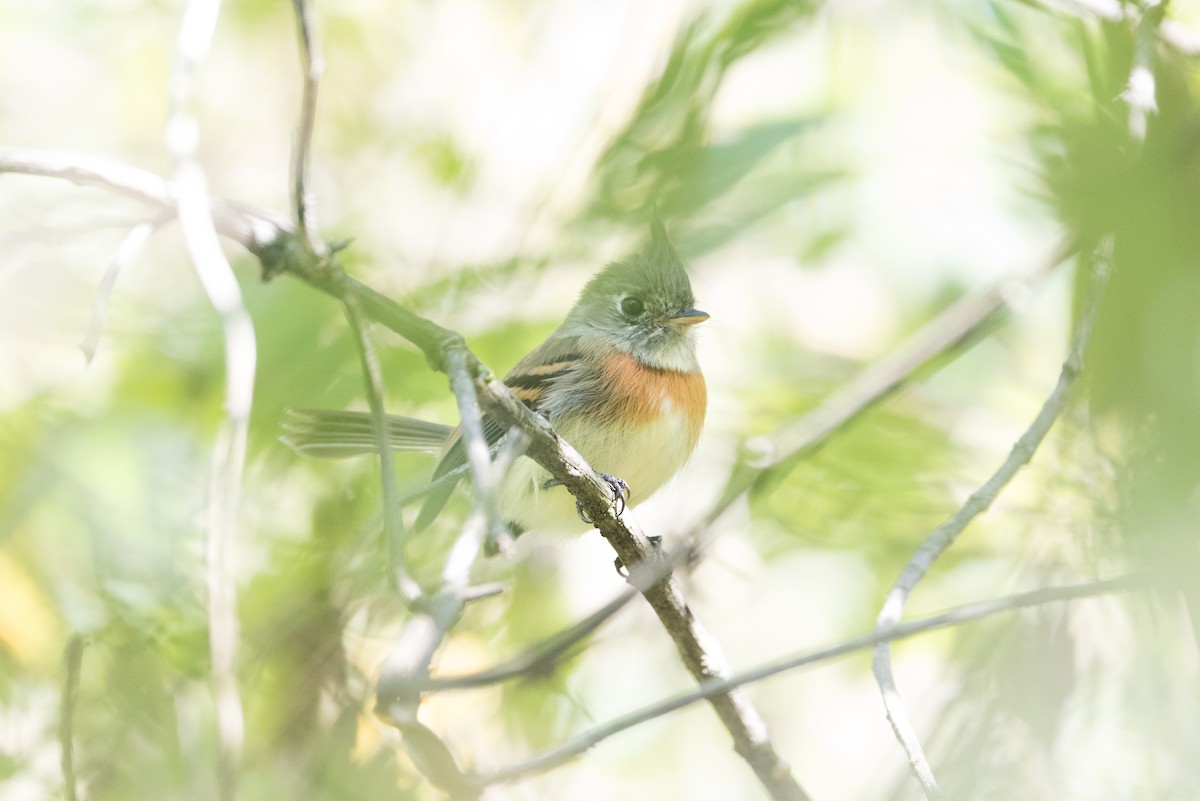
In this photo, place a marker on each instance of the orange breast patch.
(644, 393)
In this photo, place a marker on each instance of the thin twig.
(457, 570)
(229, 458)
(127, 251)
(537, 659)
(979, 501)
(408, 661)
(393, 522)
(409, 658)
(229, 453)
(259, 230)
(953, 617)
(73, 663)
(406, 666)
(957, 323)
(84, 170)
(768, 458)
(484, 481)
(314, 68)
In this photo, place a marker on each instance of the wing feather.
(529, 380)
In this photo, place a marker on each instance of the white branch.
(314, 68)
(945, 535)
(194, 210)
(128, 250)
(953, 617)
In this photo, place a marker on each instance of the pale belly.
(645, 457)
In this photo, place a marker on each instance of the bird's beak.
(687, 317)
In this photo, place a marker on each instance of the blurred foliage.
(102, 480)
(665, 155)
(1134, 199)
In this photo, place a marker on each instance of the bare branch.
(314, 68)
(484, 480)
(765, 459)
(73, 663)
(955, 325)
(260, 231)
(84, 170)
(393, 523)
(539, 658)
(535, 660)
(128, 250)
(945, 535)
(406, 667)
(229, 453)
(954, 617)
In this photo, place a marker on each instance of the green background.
(833, 173)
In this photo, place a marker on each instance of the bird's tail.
(338, 434)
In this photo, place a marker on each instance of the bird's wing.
(529, 381)
(338, 434)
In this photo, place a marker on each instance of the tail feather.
(338, 434)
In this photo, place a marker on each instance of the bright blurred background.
(834, 173)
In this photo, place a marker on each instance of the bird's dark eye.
(632, 307)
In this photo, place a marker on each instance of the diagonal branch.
(955, 325)
(314, 68)
(84, 170)
(264, 233)
(127, 251)
(485, 479)
(954, 617)
(406, 667)
(393, 523)
(538, 659)
(945, 535)
(766, 459)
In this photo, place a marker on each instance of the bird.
(619, 379)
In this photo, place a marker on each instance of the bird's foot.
(620, 491)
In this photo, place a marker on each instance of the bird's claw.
(655, 543)
(620, 491)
